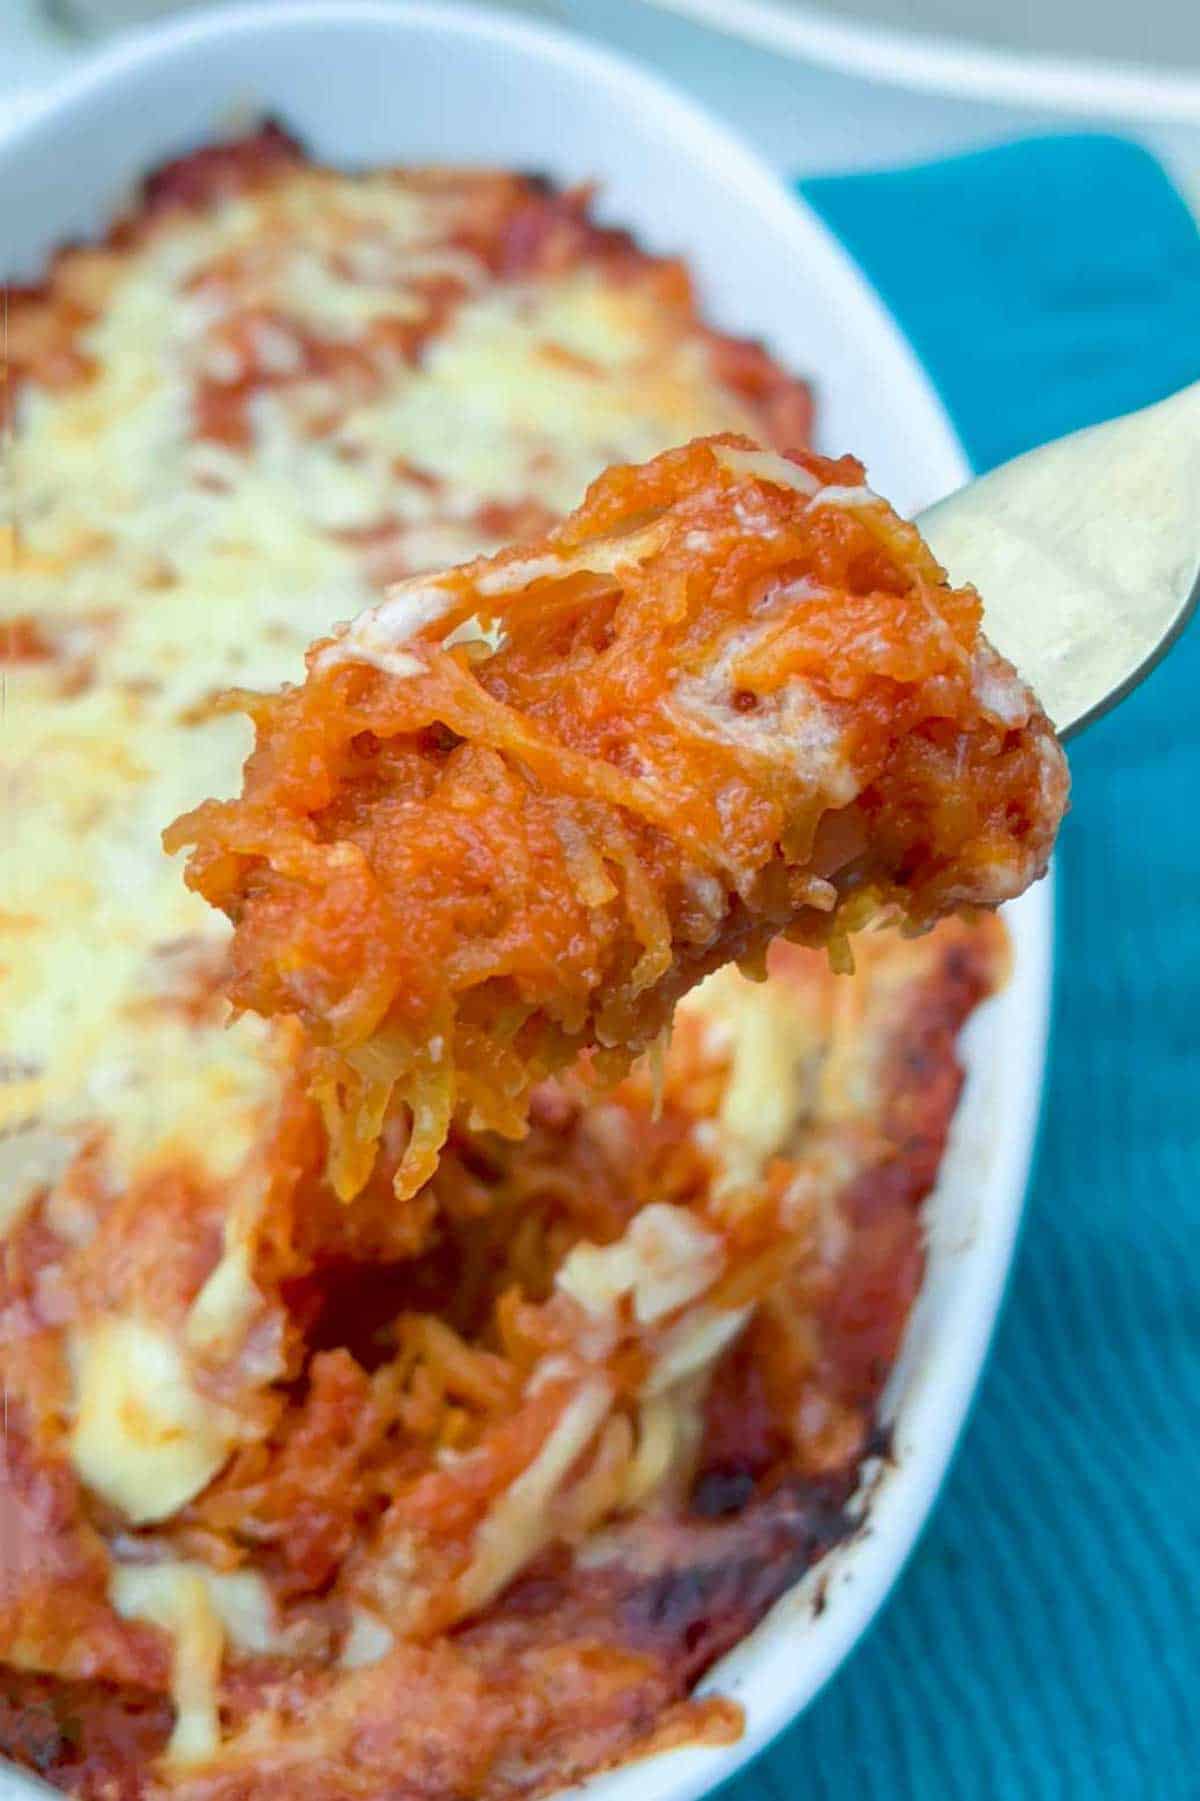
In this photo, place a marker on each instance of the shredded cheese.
(664, 1259)
(518, 1522)
(226, 1304)
(177, 1599)
(368, 1640)
(695, 1343)
(207, 1613)
(774, 1034)
(767, 467)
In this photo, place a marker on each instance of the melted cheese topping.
(144, 1437)
(694, 1345)
(775, 1035)
(368, 1640)
(203, 1610)
(177, 1599)
(664, 1259)
(519, 1521)
(164, 565)
(226, 1303)
(768, 468)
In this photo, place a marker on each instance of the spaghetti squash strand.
(523, 805)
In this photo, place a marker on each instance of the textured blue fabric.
(1045, 1638)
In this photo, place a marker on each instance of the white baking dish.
(365, 82)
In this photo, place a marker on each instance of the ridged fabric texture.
(1044, 1640)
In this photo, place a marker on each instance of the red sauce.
(205, 177)
(23, 640)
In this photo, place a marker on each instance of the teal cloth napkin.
(1045, 1638)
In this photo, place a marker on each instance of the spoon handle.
(1086, 553)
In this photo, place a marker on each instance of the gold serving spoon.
(1086, 553)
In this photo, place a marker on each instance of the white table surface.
(803, 119)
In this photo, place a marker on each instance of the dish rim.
(864, 1572)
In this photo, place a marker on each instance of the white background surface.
(807, 118)
(1163, 33)
(804, 119)
(917, 50)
